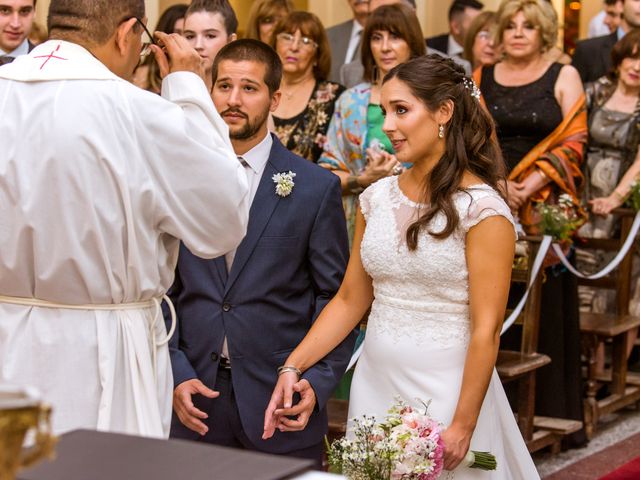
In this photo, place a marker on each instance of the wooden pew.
(609, 327)
(521, 365)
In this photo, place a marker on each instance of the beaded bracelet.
(289, 368)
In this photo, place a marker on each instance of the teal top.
(375, 119)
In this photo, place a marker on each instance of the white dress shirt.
(354, 41)
(597, 28)
(255, 161)
(454, 49)
(22, 49)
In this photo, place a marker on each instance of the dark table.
(90, 455)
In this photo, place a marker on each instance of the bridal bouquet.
(405, 446)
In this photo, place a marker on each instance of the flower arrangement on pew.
(560, 220)
(407, 445)
(633, 197)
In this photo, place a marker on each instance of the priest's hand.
(188, 414)
(174, 54)
(280, 407)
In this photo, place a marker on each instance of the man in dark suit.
(344, 38)
(16, 21)
(461, 14)
(241, 315)
(592, 57)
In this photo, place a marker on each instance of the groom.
(240, 315)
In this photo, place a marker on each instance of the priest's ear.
(127, 38)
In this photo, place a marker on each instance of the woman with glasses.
(264, 16)
(479, 48)
(357, 150)
(308, 99)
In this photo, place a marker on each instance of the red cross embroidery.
(50, 56)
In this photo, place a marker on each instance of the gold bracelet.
(289, 368)
(620, 197)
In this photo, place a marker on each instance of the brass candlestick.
(21, 412)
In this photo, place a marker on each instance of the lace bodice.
(422, 294)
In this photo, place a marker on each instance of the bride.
(433, 251)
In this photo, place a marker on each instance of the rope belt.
(152, 303)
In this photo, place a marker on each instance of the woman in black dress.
(538, 107)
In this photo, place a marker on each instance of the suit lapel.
(262, 207)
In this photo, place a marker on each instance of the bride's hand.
(282, 397)
(456, 445)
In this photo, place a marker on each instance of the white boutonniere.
(284, 183)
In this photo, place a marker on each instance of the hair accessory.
(470, 84)
(441, 131)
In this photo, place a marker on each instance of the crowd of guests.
(565, 125)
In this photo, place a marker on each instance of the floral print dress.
(305, 134)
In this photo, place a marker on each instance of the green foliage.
(560, 220)
(633, 197)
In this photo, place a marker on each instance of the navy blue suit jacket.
(286, 269)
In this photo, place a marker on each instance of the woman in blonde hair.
(538, 106)
(264, 16)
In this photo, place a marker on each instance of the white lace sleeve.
(366, 199)
(486, 206)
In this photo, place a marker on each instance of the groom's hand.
(188, 414)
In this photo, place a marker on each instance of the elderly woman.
(357, 149)
(264, 16)
(308, 99)
(538, 107)
(613, 159)
(613, 105)
(479, 48)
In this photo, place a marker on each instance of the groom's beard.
(251, 126)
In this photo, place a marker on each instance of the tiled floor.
(617, 441)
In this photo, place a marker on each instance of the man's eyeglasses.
(288, 38)
(146, 46)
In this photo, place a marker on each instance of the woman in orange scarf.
(541, 124)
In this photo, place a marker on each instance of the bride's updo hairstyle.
(469, 136)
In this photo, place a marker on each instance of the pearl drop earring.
(441, 131)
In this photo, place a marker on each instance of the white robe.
(98, 182)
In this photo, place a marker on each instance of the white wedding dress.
(419, 328)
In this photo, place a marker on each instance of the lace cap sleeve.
(484, 205)
(366, 199)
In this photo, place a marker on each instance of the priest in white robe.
(99, 182)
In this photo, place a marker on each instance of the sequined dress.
(419, 327)
(524, 116)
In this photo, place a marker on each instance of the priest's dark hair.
(90, 21)
(223, 7)
(248, 49)
(469, 136)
